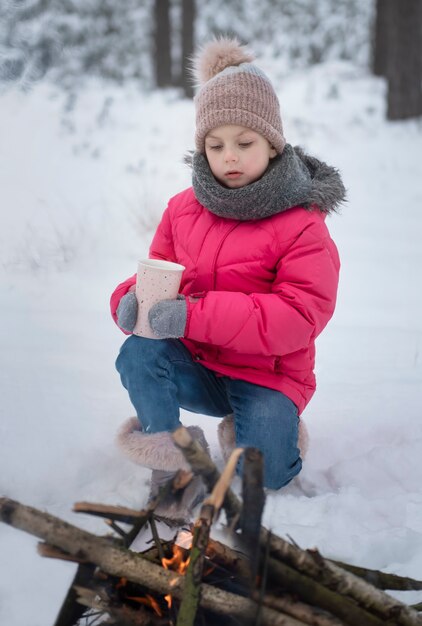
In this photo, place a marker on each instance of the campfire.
(195, 580)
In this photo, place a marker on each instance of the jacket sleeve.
(120, 291)
(161, 248)
(301, 302)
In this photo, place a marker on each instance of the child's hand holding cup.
(156, 280)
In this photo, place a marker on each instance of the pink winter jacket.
(261, 291)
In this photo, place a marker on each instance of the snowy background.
(84, 178)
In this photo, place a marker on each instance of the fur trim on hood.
(327, 189)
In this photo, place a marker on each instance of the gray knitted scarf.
(292, 178)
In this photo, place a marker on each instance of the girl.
(260, 284)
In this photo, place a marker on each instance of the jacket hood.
(327, 189)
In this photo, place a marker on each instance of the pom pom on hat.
(234, 91)
(216, 55)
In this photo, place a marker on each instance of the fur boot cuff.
(227, 437)
(303, 439)
(154, 450)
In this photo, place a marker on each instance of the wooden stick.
(230, 559)
(253, 497)
(121, 562)
(192, 592)
(168, 490)
(345, 583)
(136, 518)
(328, 574)
(156, 538)
(119, 531)
(281, 575)
(304, 612)
(202, 464)
(115, 513)
(153, 554)
(315, 593)
(263, 582)
(51, 552)
(71, 610)
(381, 580)
(94, 599)
(218, 494)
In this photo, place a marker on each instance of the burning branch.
(120, 562)
(350, 588)
(124, 616)
(322, 592)
(192, 593)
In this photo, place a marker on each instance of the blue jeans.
(161, 376)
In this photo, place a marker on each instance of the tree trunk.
(162, 43)
(380, 40)
(404, 70)
(188, 36)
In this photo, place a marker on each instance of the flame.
(210, 569)
(149, 601)
(210, 552)
(122, 583)
(176, 562)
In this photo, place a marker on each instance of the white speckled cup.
(156, 280)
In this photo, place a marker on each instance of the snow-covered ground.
(83, 182)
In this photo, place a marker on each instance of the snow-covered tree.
(70, 39)
(73, 38)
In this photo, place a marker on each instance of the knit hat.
(234, 91)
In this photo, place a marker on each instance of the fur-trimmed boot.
(227, 437)
(158, 452)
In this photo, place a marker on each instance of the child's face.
(237, 155)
